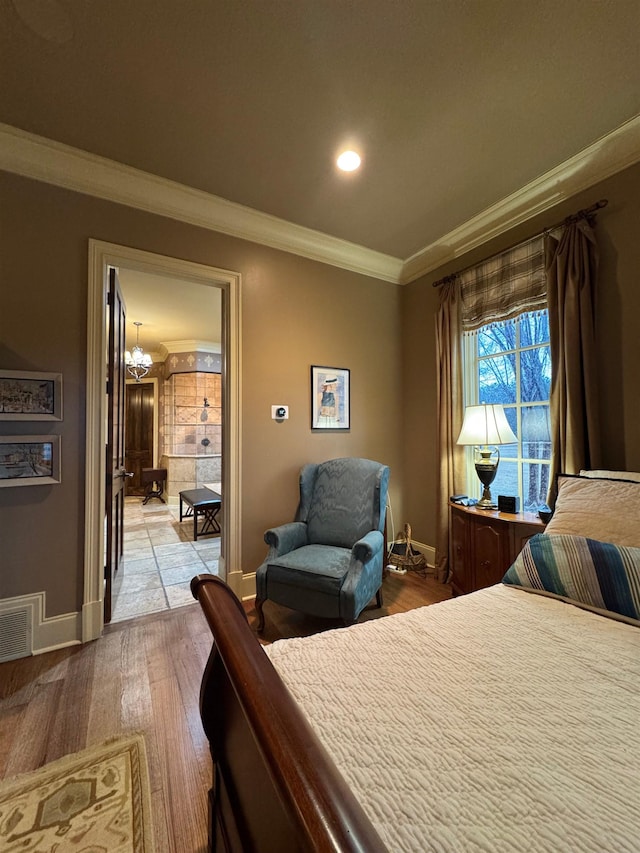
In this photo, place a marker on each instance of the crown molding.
(190, 346)
(55, 163)
(610, 154)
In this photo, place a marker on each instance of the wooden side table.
(484, 543)
(153, 477)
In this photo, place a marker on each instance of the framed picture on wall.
(330, 398)
(29, 460)
(30, 396)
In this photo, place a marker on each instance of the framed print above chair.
(330, 398)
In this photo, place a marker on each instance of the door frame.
(101, 256)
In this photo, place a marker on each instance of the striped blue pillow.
(598, 575)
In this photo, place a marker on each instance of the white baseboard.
(236, 581)
(92, 620)
(428, 550)
(248, 588)
(41, 633)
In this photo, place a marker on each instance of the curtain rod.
(586, 213)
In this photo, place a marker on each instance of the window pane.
(496, 338)
(534, 328)
(535, 483)
(497, 379)
(506, 481)
(536, 432)
(510, 451)
(535, 374)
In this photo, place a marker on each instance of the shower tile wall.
(187, 420)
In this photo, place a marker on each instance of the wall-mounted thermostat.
(280, 413)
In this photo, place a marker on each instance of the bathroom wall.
(191, 433)
(192, 428)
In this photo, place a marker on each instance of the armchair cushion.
(312, 567)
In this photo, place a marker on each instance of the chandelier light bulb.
(138, 362)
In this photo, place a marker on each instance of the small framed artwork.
(330, 403)
(30, 396)
(29, 460)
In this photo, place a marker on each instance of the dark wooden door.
(139, 432)
(115, 468)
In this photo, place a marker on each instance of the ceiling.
(170, 310)
(454, 105)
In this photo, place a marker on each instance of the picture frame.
(29, 460)
(330, 398)
(27, 395)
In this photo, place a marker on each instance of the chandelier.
(138, 362)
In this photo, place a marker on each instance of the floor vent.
(16, 639)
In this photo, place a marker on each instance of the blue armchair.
(329, 561)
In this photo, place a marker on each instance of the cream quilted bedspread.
(499, 721)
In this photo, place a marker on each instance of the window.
(510, 363)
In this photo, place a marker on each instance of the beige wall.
(618, 305)
(295, 313)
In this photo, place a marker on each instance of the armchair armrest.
(370, 544)
(364, 576)
(286, 538)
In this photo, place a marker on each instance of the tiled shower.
(191, 430)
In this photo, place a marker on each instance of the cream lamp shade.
(483, 426)
(486, 424)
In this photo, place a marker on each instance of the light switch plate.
(280, 413)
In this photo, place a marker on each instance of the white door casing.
(101, 256)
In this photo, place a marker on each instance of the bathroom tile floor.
(160, 558)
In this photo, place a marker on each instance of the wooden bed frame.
(275, 788)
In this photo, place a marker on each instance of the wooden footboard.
(275, 789)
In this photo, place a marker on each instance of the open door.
(115, 447)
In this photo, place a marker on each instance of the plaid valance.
(504, 286)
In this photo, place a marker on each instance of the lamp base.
(486, 471)
(485, 503)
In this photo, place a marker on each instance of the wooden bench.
(204, 503)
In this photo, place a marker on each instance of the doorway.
(177, 327)
(101, 257)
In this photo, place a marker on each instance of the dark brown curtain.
(571, 263)
(450, 403)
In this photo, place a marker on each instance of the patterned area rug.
(95, 801)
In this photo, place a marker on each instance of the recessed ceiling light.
(348, 161)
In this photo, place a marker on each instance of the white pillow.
(612, 475)
(604, 509)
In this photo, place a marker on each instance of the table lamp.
(483, 426)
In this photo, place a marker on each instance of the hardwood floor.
(144, 675)
(400, 593)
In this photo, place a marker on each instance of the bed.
(505, 720)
